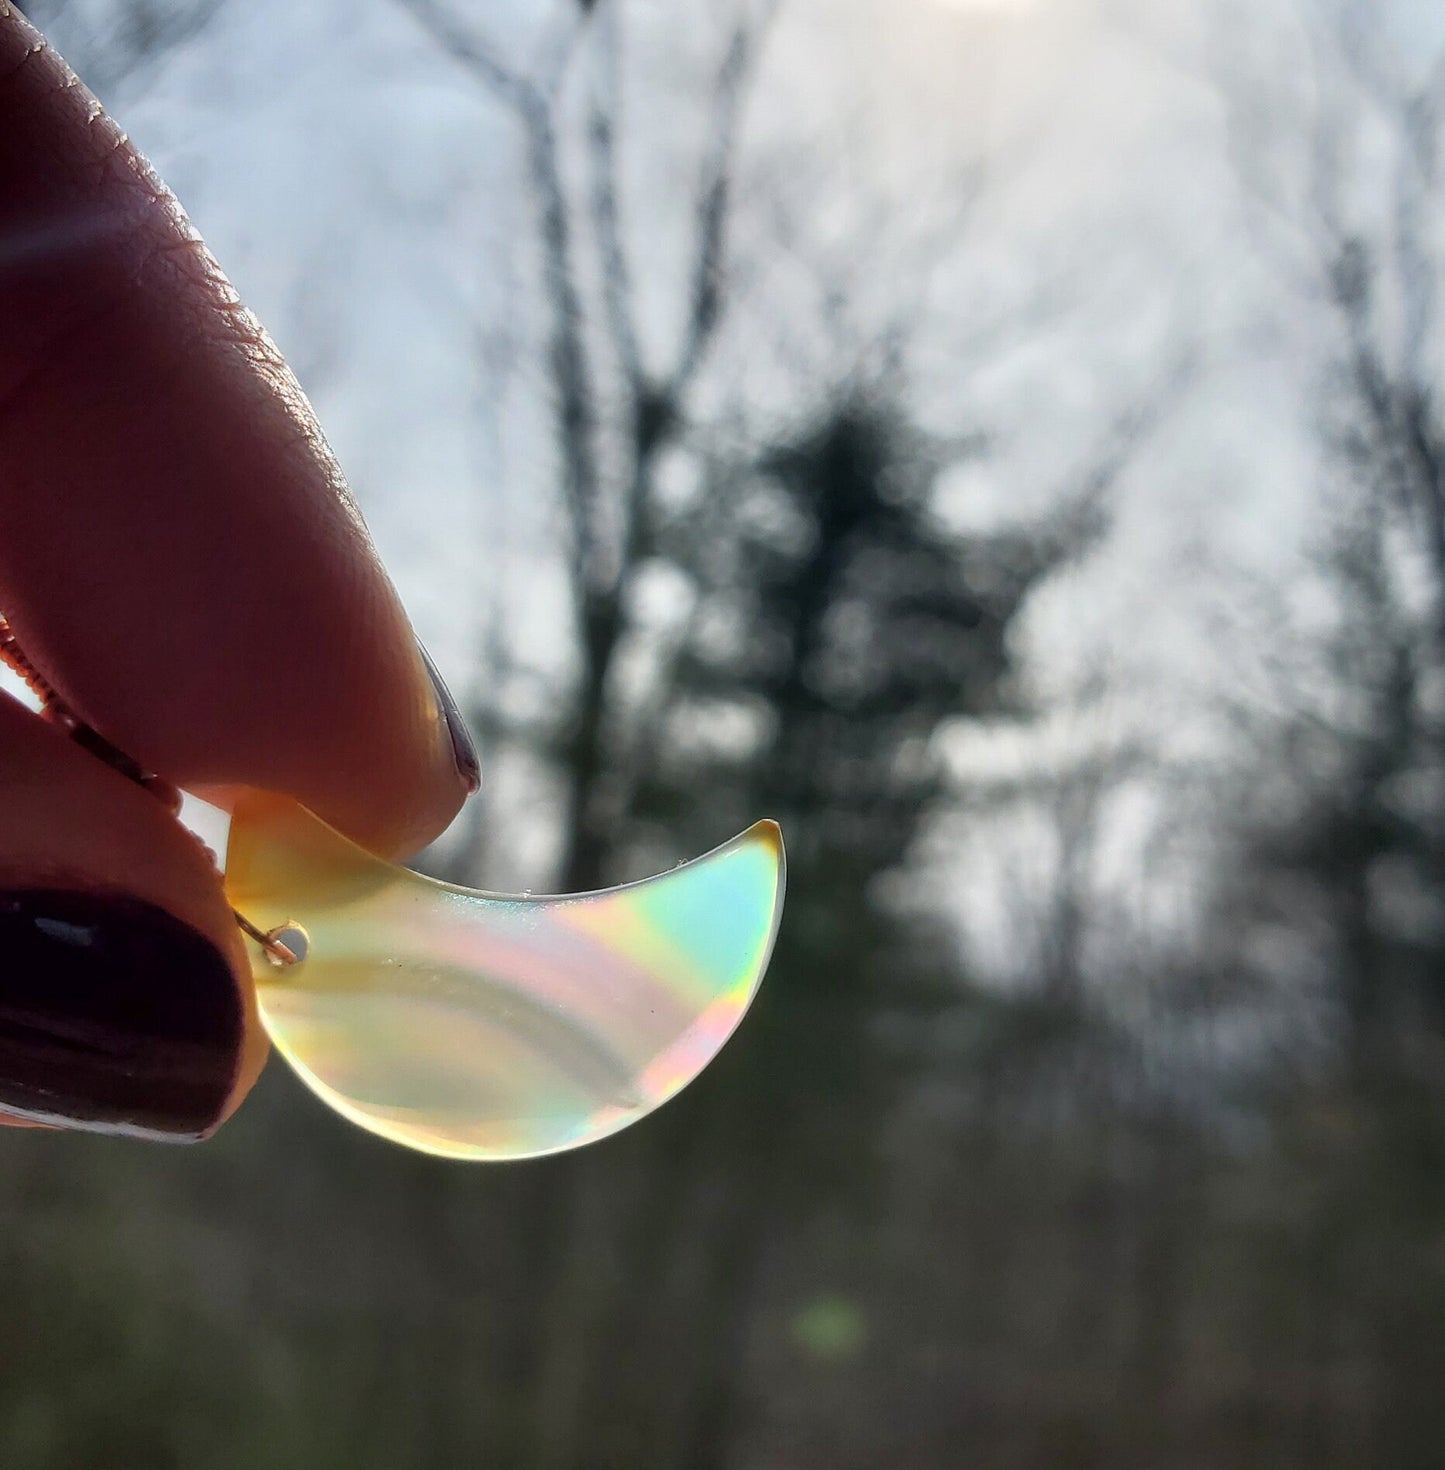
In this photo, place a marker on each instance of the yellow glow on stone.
(484, 1026)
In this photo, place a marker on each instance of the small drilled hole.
(294, 937)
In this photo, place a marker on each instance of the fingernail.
(463, 748)
(114, 1016)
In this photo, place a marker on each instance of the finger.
(178, 551)
(125, 997)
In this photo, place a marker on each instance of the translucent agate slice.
(484, 1026)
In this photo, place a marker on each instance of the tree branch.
(476, 55)
(616, 268)
(567, 354)
(130, 41)
(557, 55)
(714, 193)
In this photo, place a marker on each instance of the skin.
(179, 555)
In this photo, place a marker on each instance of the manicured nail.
(114, 1016)
(463, 748)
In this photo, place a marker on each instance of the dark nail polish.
(114, 1015)
(463, 748)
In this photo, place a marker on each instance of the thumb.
(126, 1004)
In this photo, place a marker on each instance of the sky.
(368, 203)
(1047, 183)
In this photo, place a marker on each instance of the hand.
(180, 559)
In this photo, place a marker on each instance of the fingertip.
(182, 559)
(392, 787)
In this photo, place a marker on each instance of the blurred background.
(1001, 439)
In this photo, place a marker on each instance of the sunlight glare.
(986, 7)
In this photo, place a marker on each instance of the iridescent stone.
(485, 1026)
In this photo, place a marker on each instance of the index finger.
(179, 554)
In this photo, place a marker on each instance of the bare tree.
(606, 394)
(1344, 188)
(1346, 847)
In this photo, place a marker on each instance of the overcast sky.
(368, 202)
(1046, 182)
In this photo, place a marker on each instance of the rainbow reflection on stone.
(484, 1026)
